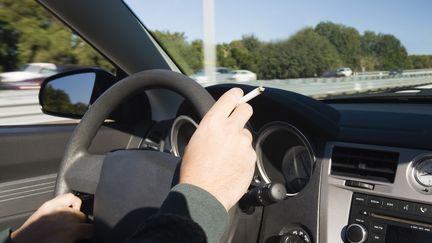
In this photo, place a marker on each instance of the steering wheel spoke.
(83, 175)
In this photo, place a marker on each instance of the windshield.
(320, 49)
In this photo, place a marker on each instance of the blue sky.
(78, 87)
(408, 20)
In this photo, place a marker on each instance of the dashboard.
(349, 169)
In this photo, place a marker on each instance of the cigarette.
(254, 93)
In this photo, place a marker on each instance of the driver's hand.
(219, 157)
(57, 220)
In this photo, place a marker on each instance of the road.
(22, 107)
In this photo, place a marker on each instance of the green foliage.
(8, 47)
(187, 55)
(346, 40)
(38, 36)
(306, 54)
(383, 52)
(240, 54)
(58, 101)
(420, 61)
(391, 53)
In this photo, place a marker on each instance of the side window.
(33, 46)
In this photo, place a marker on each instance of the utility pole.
(209, 43)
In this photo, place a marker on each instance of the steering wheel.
(128, 185)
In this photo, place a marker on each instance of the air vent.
(364, 163)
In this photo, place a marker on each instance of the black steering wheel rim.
(86, 130)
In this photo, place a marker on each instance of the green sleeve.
(200, 206)
(5, 236)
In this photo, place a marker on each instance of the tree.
(420, 61)
(8, 47)
(188, 56)
(43, 38)
(391, 53)
(346, 40)
(224, 57)
(240, 54)
(306, 54)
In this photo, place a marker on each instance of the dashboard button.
(365, 185)
(423, 210)
(375, 202)
(359, 199)
(406, 207)
(358, 184)
(390, 204)
(378, 228)
(377, 238)
(351, 183)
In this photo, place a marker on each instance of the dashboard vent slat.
(364, 163)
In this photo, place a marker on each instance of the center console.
(385, 220)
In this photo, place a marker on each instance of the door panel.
(29, 159)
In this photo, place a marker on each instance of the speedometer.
(284, 155)
(296, 168)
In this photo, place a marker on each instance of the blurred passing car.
(29, 71)
(242, 76)
(222, 74)
(344, 72)
(31, 76)
(396, 72)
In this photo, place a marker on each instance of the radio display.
(397, 234)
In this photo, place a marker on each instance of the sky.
(408, 20)
(78, 86)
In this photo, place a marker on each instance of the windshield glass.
(320, 49)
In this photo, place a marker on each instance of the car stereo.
(384, 220)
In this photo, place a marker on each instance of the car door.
(32, 143)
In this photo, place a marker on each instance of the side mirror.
(70, 94)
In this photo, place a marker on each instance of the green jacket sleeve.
(188, 214)
(200, 206)
(5, 236)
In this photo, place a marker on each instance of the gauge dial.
(423, 173)
(297, 168)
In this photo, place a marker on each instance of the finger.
(226, 103)
(77, 215)
(241, 114)
(85, 231)
(72, 201)
(65, 200)
(248, 134)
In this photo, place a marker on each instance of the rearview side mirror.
(70, 94)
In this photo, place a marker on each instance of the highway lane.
(21, 107)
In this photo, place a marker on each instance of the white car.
(30, 71)
(243, 76)
(223, 74)
(344, 72)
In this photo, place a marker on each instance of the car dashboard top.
(349, 169)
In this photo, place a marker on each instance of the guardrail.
(387, 72)
(21, 107)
